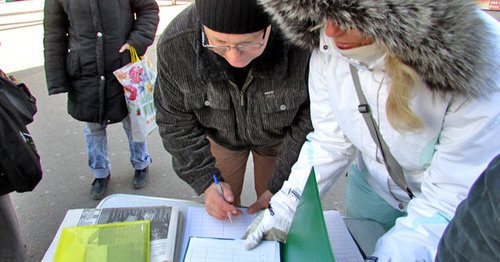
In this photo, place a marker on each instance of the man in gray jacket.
(228, 84)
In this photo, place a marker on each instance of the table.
(365, 232)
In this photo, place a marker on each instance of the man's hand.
(261, 203)
(274, 223)
(124, 47)
(217, 205)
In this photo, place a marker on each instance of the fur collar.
(446, 42)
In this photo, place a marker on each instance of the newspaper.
(164, 220)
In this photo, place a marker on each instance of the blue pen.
(220, 192)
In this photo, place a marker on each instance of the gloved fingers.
(264, 226)
(254, 225)
(276, 235)
(253, 239)
(277, 227)
(275, 222)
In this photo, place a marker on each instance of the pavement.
(21, 32)
(61, 143)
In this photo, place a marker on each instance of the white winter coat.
(440, 161)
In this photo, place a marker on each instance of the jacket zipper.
(242, 98)
(242, 92)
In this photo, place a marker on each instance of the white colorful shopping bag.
(138, 80)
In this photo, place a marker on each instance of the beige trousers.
(232, 165)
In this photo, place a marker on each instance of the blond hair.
(404, 85)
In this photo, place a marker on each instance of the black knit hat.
(232, 16)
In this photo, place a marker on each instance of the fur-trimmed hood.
(446, 42)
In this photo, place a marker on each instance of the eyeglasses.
(225, 48)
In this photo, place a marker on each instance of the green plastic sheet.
(308, 238)
(120, 242)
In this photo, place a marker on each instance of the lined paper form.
(224, 250)
(200, 224)
(343, 246)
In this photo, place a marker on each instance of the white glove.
(274, 223)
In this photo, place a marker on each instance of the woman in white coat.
(429, 72)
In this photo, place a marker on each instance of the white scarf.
(367, 54)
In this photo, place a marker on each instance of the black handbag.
(20, 168)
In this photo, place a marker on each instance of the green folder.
(308, 238)
(120, 242)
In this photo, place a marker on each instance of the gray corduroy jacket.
(196, 97)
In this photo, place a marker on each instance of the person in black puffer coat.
(84, 42)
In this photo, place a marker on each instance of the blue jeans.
(97, 149)
(363, 202)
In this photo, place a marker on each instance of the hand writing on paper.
(261, 203)
(217, 206)
(124, 47)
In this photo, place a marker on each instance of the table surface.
(365, 232)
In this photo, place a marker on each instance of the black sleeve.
(474, 233)
(55, 42)
(145, 25)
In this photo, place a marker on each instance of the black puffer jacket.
(82, 39)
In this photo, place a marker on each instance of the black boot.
(99, 187)
(140, 178)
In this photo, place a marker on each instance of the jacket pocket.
(279, 110)
(73, 67)
(212, 111)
